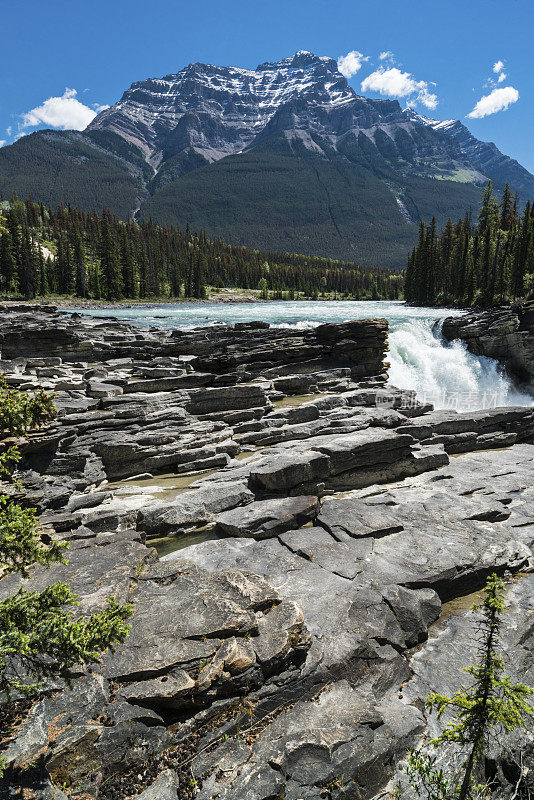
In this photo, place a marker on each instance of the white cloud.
(350, 64)
(2, 142)
(501, 78)
(394, 83)
(9, 130)
(386, 55)
(497, 67)
(497, 100)
(63, 112)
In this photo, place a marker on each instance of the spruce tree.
(110, 267)
(491, 703)
(79, 265)
(488, 216)
(130, 279)
(8, 265)
(524, 241)
(28, 265)
(507, 206)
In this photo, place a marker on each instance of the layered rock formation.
(313, 523)
(506, 334)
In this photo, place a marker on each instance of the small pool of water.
(170, 544)
(161, 487)
(297, 400)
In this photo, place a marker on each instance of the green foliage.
(491, 703)
(264, 289)
(20, 542)
(97, 255)
(428, 780)
(486, 264)
(8, 461)
(20, 411)
(39, 638)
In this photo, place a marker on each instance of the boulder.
(165, 787)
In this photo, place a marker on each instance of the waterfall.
(444, 374)
(447, 374)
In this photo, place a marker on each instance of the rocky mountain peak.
(240, 103)
(485, 156)
(301, 60)
(286, 156)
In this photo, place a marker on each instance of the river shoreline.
(70, 303)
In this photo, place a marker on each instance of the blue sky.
(96, 50)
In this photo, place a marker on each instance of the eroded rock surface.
(287, 655)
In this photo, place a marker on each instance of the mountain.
(485, 156)
(284, 157)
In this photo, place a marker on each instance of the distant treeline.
(490, 262)
(92, 255)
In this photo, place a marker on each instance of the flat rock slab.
(193, 507)
(363, 449)
(356, 518)
(267, 518)
(283, 472)
(315, 544)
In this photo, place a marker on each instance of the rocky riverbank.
(506, 334)
(285, 652)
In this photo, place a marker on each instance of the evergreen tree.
(463, 266)
(28, 266)
(130, 278)
(488, 216)
(508, 212)
(79, 265)
(110, 267)
(8, 264)
(521, 254)
(491, 702)
(65, 270)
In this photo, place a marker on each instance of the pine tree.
(8, 265)
(490, 703)
(65, 270)
(79, 265)
(28, 265)
(508, 214)
(521, 254)
(110, 261)
(130, 279)
(488, 216)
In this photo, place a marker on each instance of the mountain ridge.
(287, 156)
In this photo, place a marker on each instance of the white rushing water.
(444, 374)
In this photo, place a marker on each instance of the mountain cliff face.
(220, 111)
(286, 156)
(485, 156)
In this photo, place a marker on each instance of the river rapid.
(442, 373)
